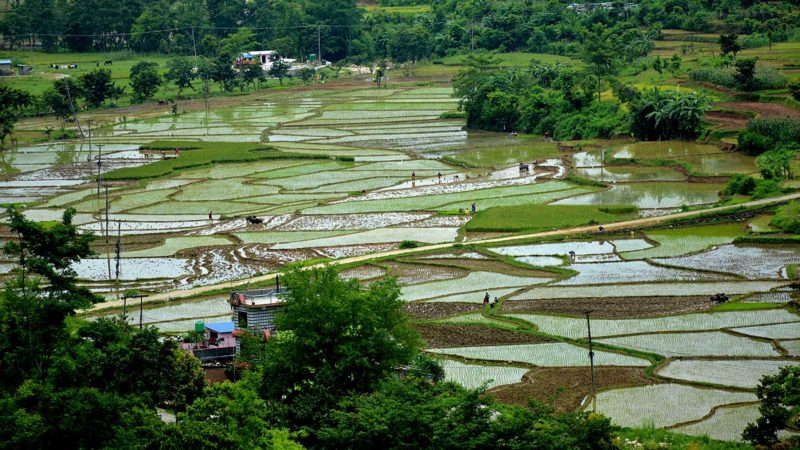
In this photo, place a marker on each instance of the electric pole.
(99, 167)
(319, 44)
(591, 361)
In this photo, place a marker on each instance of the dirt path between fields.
(616, 226)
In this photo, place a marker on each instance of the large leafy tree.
(98, 86)
(180, 71)
(279, 70)
(76, 388)
(729, 43)
(145, 80)
(62, 97)
(780, 408)
(415, 413)
(11, 102)
(336, 338)
(601, 53)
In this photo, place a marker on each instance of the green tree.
(729, 43)
(97, 87)
(414, 413)
(60, 99)
(336, 338)
(675, 64)
(241, 420)
(11, 102)
(777, 163)
(243, 40)
(180, 71)
(279, 70)
(746, 74)
(45, 293)
(252, 74)
(794, 89)
(780, 408)
(145, 80)
(600, 52)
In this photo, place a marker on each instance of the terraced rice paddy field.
(328, 174)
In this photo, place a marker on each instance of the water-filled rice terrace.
(362, 171)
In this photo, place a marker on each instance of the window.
(242, 319)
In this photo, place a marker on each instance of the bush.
(754, 144)
(787, 218)
(739, 184)
(765, 188)
(754, 40)
(408, 244)
(781, 129)
(794, 89)
(765, 77)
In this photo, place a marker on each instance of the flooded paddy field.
(363, 171)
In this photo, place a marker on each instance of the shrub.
(765, 77)
(794, 89)
(453, 115)
(765, 188)
(408, 244)
(740, 184)
(787, 218)
(754, 144)
(781, 129)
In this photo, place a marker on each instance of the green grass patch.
(581, 181)
(531, 218)
(663, 439)
(771, 239)
(787, 218)
(197, 154)
(737, 306)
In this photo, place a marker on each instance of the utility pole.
(108, 255)
(118, 250)
(89, 124)
(319, 44)
(72, 107)
(99, 167)
(591, 361)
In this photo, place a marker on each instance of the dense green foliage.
(780, 408)
(414, 413)
(336, 339)
(776, 141)
(447, 27)
(757, 77)
(557, 101)
(145, 80)
(787, 218)
(665, 114)
(741, 184)
(76, 389)
(12, 101)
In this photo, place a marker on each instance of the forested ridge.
(342, 29)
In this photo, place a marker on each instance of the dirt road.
(616, 226)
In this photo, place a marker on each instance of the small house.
(5, 67)
(24, 69)
(220, 335)
(254, 312)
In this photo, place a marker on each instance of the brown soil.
(443, 336)
(215, 375)
(728, 120)
(488, 265)
(762, 109)
(422, 273)
(429, 311)
(613, 307)
(565, 387)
